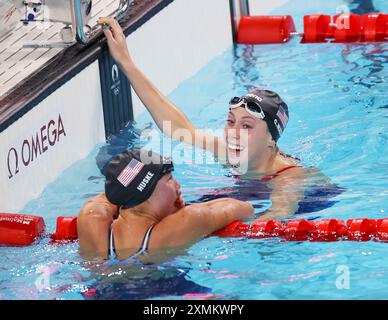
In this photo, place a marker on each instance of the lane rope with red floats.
(341, 28)
(22, 230)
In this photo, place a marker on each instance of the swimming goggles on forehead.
(167, 168)
(251, 107)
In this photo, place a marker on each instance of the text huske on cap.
(145, 181)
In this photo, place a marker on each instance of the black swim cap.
(275, 109)
(129, 181)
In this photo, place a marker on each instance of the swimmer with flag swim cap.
(254, 124)
(142, 210)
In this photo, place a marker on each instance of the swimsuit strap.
(271, 176)
(111, 253)
(146, 240)
(286, 155)
(143, 249)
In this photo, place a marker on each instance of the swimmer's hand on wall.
(116, 41)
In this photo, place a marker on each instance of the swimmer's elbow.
(240, 210)
(246, 211)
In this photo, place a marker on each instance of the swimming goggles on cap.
(251, 107)
(167, 166)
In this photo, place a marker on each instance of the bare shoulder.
(300, 174)
(94, 219)
(291, 175)
(98, 207)
(100, 199)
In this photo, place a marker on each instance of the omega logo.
(32, 147)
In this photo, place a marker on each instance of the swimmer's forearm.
(272, 215)
(240, 210)
(199, 220)
(245, 210)
(279, 211)
(157, 104)
(170, 119)
(285, 197)
(225, 212)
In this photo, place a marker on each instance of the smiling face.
(247, 138)
(166, 195)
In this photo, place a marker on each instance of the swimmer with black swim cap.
(130, 182)
(265, 115)
(266, 105)
(255, 123)
(142, 210)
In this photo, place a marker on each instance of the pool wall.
(177, 42)
(58, 131)
(62, 128)
(257, 7)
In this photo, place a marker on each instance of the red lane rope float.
(20, 229)
(17, 229)
(361, 229)
(348, 28)
(382, 229)
(344, 28)
(328, 230)
(265, 29)
(318, 28)
(302, 230)
(66, 229)
(375, 26)
(371, 27)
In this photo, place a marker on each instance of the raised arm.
(199, 220)
(157, 104)
(93, 223)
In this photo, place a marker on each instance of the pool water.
(338, 106)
